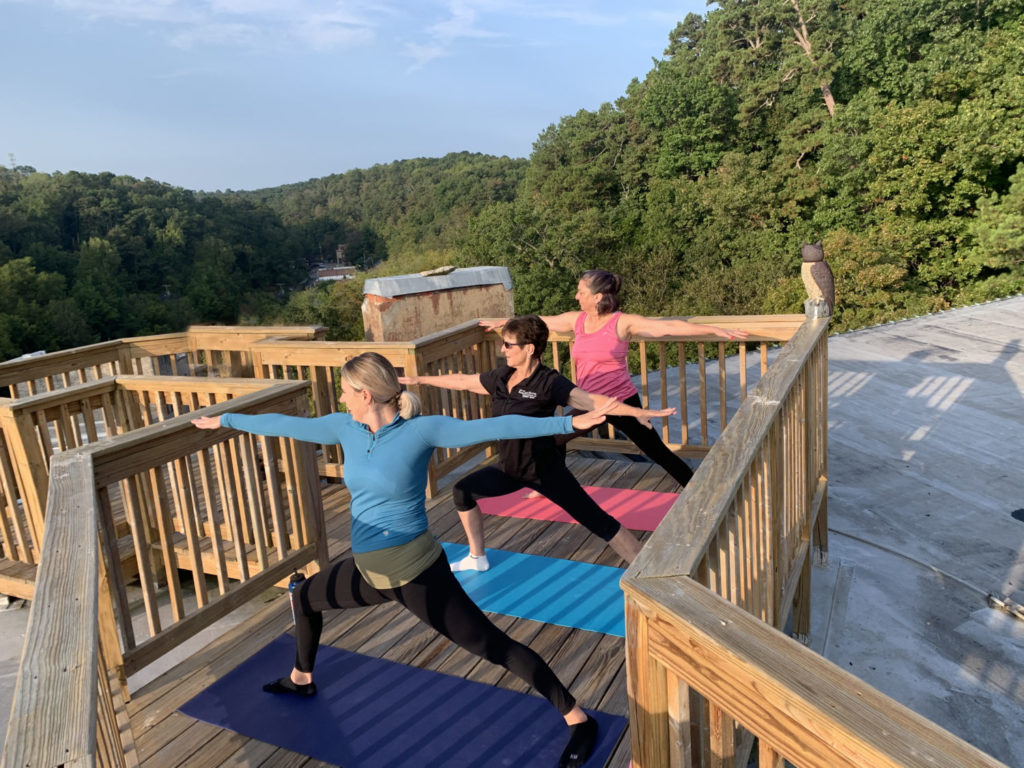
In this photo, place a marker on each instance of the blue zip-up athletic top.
(386, 471)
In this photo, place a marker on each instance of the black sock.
(285, 685)
(582, 738)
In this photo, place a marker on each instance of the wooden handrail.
(801, 707)
(744, 530)
(680, 542)
(36, 427)
(70, 688)
(123, 356)
(57, 680)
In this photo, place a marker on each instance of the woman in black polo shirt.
(526, 387)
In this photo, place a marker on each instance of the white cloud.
(328, 31)
(476, 19)
(422, 55)
(321, 24)
(193, 35)
(130, 10)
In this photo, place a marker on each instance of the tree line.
(90, 257)
(887, 129)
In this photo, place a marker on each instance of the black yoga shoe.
(582, 738)
(285, 685)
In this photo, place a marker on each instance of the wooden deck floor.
(591, 664)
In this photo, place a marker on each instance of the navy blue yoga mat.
(371, 713)
(547, 589)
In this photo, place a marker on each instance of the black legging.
(559, 485)
(646, 439)
(649, 441)
(437, 599)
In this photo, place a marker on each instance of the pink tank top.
(600, 359)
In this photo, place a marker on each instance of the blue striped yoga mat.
(372, 713)
(547, 589)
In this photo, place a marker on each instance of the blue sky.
(242, 94)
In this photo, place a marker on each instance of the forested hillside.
(88, 257)
(889, 129)
(394, 210)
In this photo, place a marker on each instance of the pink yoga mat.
(637, 510)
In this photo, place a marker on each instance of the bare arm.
(656, 327)
(588, 401)
(469, 382)
(557, 323)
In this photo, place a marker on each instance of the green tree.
(95, 289)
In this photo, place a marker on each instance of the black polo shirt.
(537, 395)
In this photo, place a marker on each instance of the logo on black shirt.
(527, 395)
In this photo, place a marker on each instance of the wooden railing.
(66, 711)
(704, 393)
(36, 428)
(702, 654)
(704, 400)
(82, 642)
(202, 349)
(708, 669)
(463, 349)
(743, 530)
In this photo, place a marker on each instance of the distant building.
(326, 272)
(339, 269)
(407, 307)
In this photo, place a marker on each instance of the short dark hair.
(608, 285)
(529, 329)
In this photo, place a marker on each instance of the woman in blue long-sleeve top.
(387, 447)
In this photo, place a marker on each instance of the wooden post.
(124, 360)
(648, 697)
(30, 467)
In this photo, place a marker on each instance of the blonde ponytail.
(409, 405)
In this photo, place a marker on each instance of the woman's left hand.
(591, 419)
(207, 422)
(731, 333)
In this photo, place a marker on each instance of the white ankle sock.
(471, 563)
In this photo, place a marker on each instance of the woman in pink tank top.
(599, 351)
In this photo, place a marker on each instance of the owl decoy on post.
(817, 275)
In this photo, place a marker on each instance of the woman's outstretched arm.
(323, 429)
(587, 401)
(470, 382)
(557, 323)
(656, 327)
(449, 432)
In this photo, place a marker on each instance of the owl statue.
(817, 275)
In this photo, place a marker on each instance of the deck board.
(592, 664)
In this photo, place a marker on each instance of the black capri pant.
(438, 600)
(649, 441)
(559, 485)
(646, 439)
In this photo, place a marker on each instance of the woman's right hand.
(207, 422)
(646, 415)
(587, 421)
(493, 323)
(409, 381)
